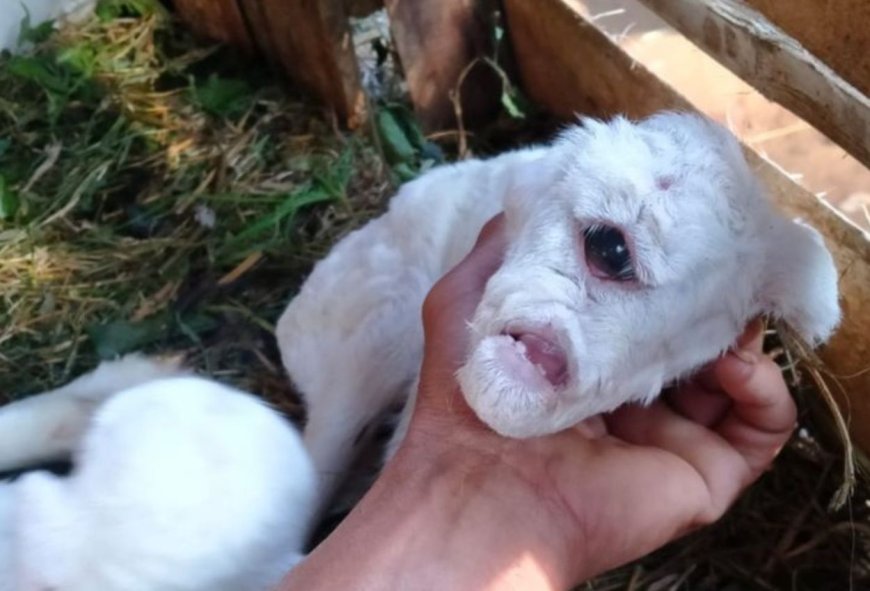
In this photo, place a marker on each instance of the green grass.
(138, 168)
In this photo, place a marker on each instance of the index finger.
(452, 301)
(702, 398)
(763, 413)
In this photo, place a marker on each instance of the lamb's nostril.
(545, 354)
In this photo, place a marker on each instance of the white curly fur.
(179, 484)
(708, 250)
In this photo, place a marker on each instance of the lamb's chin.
(507, 391)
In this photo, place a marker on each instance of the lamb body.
(636, 253)
(179, 484)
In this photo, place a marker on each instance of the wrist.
(450, 520)
(499, 514)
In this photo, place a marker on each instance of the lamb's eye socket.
(607, 254)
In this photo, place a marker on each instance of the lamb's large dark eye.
(607, 254)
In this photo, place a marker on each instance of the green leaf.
(397, 146)
(37, 70)
(223, 97)
(510, 105)
(432, 151)
(284, 213)
(5, 144)
(108, 10)
(80, 57)
(30, 34)
(120, 336)
(195, 325)
(405, 172)
(334, 175)
(408, 121)
(58, 80)
(9, 201)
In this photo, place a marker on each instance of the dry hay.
(161, 194)
(150, 202)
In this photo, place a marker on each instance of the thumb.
(451, 304)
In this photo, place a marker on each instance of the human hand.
(618, 486)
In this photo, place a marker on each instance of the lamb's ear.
(800, 281)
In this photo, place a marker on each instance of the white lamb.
(637, 252)
(179, 484)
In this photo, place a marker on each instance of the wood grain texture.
(311, 41)
(780, 68)
(220, 20)
(836, 31)
(361, 8)
(568, 66)
(436, 40)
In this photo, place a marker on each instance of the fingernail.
(752, 331)
(745, 356)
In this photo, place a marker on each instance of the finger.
(750, 339)
(706, 379)
(722, 469)
(593, 427)
(699, 404)
(446, 311)
(702, 399)
(763, 414)
(753, 335)
(454, 298)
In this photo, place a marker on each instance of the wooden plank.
(361, 8)
(836, 31)
(220, 20)
(258, 25)
(778, 66)
(435, 41)
(311, 41)
(567, 66)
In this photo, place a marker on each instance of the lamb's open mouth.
(541, 351)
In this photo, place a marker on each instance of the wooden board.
(311, 41)
(836, 31)
(221, 20)
(361, 8)
(435, 41)
(308, 39)
(568, 66)
(752, 47)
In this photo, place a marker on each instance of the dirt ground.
(814, 161)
